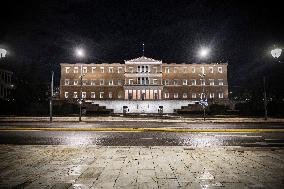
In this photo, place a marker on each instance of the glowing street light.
(276, 53)
(80, 52)
(204, 52)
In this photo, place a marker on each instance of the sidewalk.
(62, 167)
(173, 119)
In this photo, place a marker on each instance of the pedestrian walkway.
(139, 167)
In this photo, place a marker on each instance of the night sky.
(41, 34)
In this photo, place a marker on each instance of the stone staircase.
(92, 109)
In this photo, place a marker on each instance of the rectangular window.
(211, 95)
(220, 69)
(167, 95)
(110, 82)
(101, 94)
(220, 81)
(119, 82)
(93, 69)
(84, 82)
(85, 69)
(167, 70)
(193, 70)
(184, 69)
(202, 70)
(102, 69)
(175, 82)
(67, 69)
(102, 82)
(119, 70)
(93, 95)
(84, 94)
(211, 70)
(155, 70)
(167, 82)
(76, 82)
(66, 94)
(211, 81)
(175, 70)
(93, 82)
(119, 95)
(202, 96)
(193, 82)
(155, 81)
(130, 69)
(221, 95)
(110, 95)
(110, 70)
(66, 81)
(75, 69)
(202, 81)
(193, 95)
(175, 95)
(75, 95)
(184, 95)
(130, 81)
(184, 82)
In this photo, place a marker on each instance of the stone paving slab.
(85, 167)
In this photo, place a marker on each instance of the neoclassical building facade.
(143, 82)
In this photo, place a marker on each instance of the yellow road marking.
(144, 130)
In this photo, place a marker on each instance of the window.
(84, 95)
(110, 95)
(110, 82)
(102, 69)
(193, 95)
(193, 70)
(101, 94)
(93, 82)
(220, 69)
(175, 70)
(93, 95)
(167, 95)
(67, 69)
(66, 94)
(84, 82)
(119, 70)
(167, 82)
(130, 69)
(110, 70)
(193, 82)
(211, 70)
(184, 82)
(220, 81)
(175, 95)
(75, 69)
(202, 81)
(211, 95)
(221, 95)
(93, 69)
(155, 69)
(202, 70)
(130, 81)
(155, 81)
(167, 70)
(175, 82)
(76, 82)
(119, 95)
(85, 69)
(119, 82)
(202, 96)
(184, 69)
(211, 81)
(184, 95)
(66, 81)
(102, 82)
(75, 95)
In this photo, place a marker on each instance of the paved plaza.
(91, 166)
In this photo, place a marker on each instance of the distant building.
(144, 85)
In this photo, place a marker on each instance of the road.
(215, 135)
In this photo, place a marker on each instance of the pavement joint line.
(143, 130)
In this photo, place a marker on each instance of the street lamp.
(275, 53)
(203, 52)
(80, 53)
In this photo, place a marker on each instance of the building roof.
(143, 59)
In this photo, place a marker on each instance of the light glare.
(203, 52)
(80, 53)
(276, 53)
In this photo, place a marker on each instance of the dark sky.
(40, 34)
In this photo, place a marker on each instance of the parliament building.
(144, 85)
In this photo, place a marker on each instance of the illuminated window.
(175, 82)
(167, 70)
(175, 95)
(193, 82)
(85, 69)
(167, 95)
(211, 81)
(93, 82)
(66, 94)
(110, 82)
(211, 70)
(102, 82)
(193, 70)
(110, 95)
(67, 69)
(202, 81)
(93, 95)
(93, 69)
(84, 94)
(175, 70)
(211, 95)
(184, 95)
(102, 69)
(220, 81)
(76, 82)
(75, 95)
(193, 95)
(75, 69)
(66, 81)
(101, 94)
(110, 70)
(221, 95)
(184, 82)
(130, 81)
(84, 82)
(155, 81)
(202, 70)
(220, 69)
(167, 82)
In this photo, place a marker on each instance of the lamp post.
(275, 53)
(80, 53)
(51, 97)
